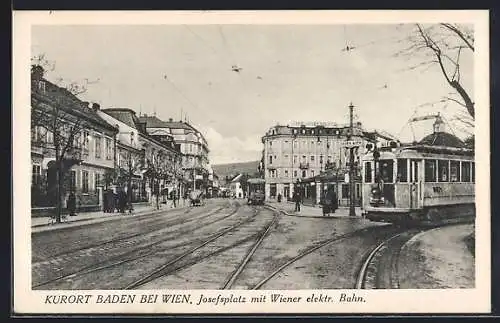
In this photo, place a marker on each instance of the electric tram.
(255, 189)
(430, 182)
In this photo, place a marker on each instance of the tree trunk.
(129, 194)
(59, 192)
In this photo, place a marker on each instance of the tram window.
(454, 171)
(402, 170)
(465, 171)
(368, 172)
(386, 170)
(430, 170)
(473, 172)
(443, 166)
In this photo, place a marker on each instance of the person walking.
(325, 205)
(331, 200)
(297, 199)
(71, 204)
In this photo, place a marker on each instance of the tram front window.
(386, 170)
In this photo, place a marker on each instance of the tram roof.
(256, 181)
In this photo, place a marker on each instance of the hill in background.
(232, 169)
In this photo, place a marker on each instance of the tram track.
(379, 270)
(319, 245)
(174, 264)
(136, 253)
(230, 280)
(150, 228)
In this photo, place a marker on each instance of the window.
(386, 170)
(294, 144)
(109, 149)
(312, 158)
(303, 158)
(414, 171)
(454, 171)
(294, 173)
(97, 147)
(304, 173)
(473, 172)
(443, 167)
(465, 172)
(430, 170)
(35, 175)
(345, 191)
(85, 141)
(72, 180)
(85, 181)
(312, 172)
(270, 160)
(295, 158)
(402, 170)
(270, 143)
(321, 159)
(97, 180)
(286, 172)
(368, 172)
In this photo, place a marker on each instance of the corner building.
(295, 153)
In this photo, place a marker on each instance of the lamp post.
(352, 211)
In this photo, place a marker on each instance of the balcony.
(304, 165)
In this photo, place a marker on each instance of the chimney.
(37, 72)
(170, 120)
(96, 106)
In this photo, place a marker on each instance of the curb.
(313, 216)
(99, 220)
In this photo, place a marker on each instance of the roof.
(59, 96)
(125, 115)
(256, 181)
(154, 122)
(442, 139)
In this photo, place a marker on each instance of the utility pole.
(352, 187)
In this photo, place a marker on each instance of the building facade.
(69, 141)
(192, 146)
(293, 154)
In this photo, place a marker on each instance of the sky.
(288, 73)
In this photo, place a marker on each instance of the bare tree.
(444, 45)
(126, 172)
(59, 126)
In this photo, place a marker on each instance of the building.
(236, 187)
(72, 147)
(129, 153)
(192, 146)
(296, 154)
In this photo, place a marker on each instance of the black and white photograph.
(236, 162)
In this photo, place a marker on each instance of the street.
(224, 244)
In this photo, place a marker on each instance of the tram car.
(418, 184)
(255, 189)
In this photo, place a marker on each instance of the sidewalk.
(44, 223)
(438, 258)
(288, 208)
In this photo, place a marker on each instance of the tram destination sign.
(352, 143)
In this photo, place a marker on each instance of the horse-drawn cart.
(196, 197)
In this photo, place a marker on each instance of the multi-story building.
(69, 141)
(295, 153)
(192, 145)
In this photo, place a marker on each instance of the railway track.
(318, 246)
(379, 269)
(150, 227)
(134, 254)
(230, 280)
(190, 259)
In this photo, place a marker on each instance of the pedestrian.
(331, 200)
(71, 204)
(297, 200)
(279, 197)
(174, 197)
(325, 203)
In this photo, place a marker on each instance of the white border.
(383, 301)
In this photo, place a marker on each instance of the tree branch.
(460, 34)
